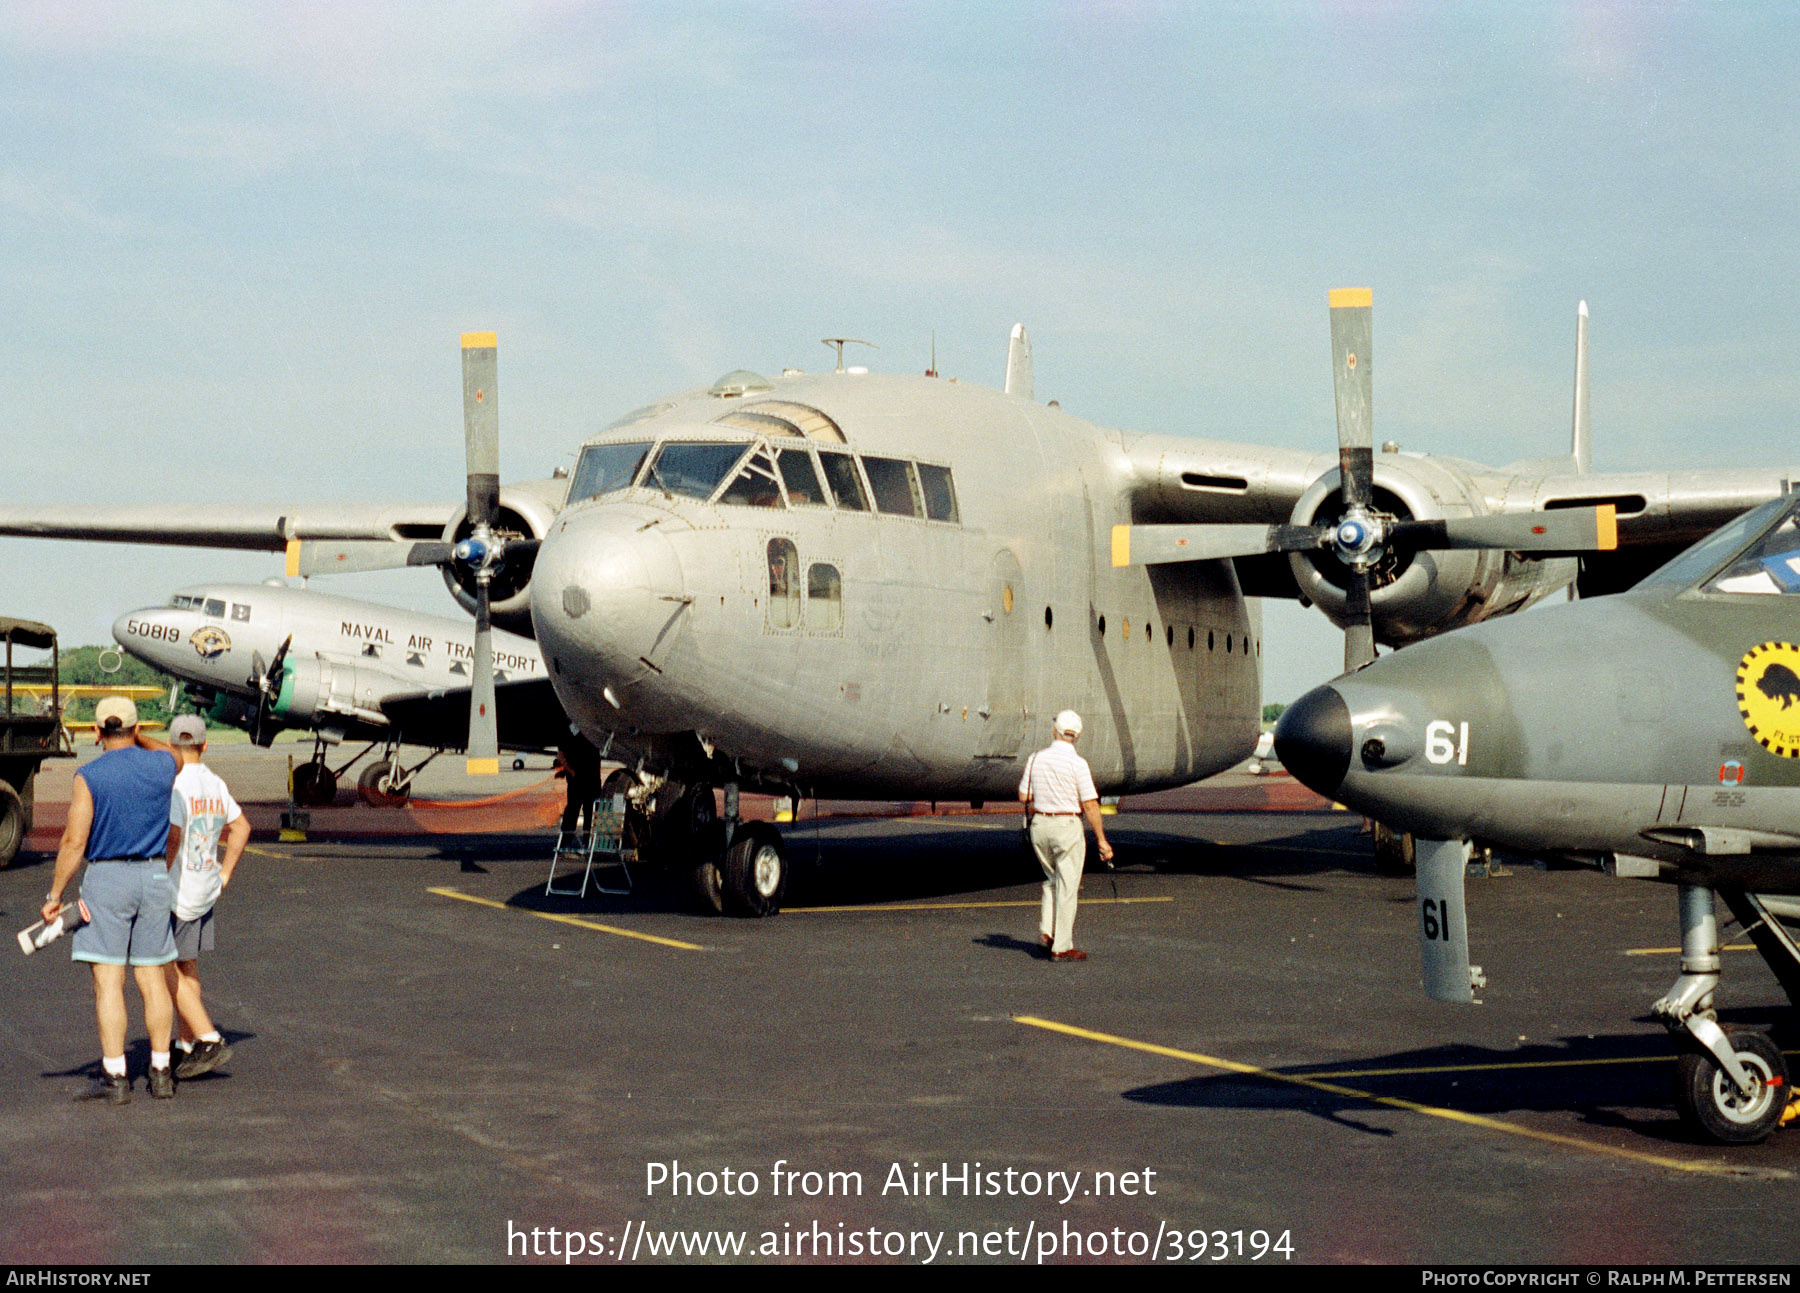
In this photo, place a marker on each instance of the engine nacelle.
(526, 511)
(1416, 594)
(314, 689)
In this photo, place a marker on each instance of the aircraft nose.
(605, 589)
(1312, 740)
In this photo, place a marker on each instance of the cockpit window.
(846, 485)
(803, 488)
(182, 600)
(240, 612)
(755, 485)
(694, 469)
(891, 479)
(939, 491)
(1771, 565)
(603, 468)
(1706, 556)
(215, 608)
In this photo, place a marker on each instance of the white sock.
(159, 1059)
(114, 1065)
(211, 1037)
(187, 1048)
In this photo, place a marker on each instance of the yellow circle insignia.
(1768, 696)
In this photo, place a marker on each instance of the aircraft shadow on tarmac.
(1610, 1081)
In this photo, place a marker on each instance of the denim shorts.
(129, 903)
(193, 937)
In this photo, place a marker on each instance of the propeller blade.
(1580, 446)
(325, 557)
(484, 734)
(1575, 529)
(1359, 632)
(258, 670)
(481, 425)
(1352, 362)
(1151, 545)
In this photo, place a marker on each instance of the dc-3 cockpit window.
(1714, 551)
(1770, 565)
(755, 485)
(603, 468)
(215, 608)
(694, 469)
(891, 479)
(846, 485)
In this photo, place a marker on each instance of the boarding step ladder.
(599, 851)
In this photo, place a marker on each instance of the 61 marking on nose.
(1447, 742)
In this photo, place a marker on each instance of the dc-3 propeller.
(1362, 536)
(480, 555)
(266, 679)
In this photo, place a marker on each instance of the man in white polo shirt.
(1058, 791)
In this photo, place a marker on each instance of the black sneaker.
(204, 1058)
(162, 1084)
(113, 1090)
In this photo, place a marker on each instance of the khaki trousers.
(1061, 847)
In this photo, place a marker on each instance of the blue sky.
(239, 240)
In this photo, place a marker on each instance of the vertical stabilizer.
(1018, 363)
(1580, 449)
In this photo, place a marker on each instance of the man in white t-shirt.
(1058, 791)
(201, 811)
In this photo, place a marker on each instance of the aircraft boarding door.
(1010, 673)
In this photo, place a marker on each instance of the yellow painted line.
(964, 906)
(1349, 298)
(569, 920)
(1393, 1102)
(1676, 951)
(262, 853)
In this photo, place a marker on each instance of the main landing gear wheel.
(371, 788)
(1710, 1103)
(756, 871)
(705, 883)
(1393, 851)
(315, 785)
(12, 824)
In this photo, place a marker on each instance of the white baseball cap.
(1067, 723)
(116, 714)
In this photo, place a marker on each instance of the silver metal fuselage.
(957, 640)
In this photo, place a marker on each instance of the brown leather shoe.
(1073, 954)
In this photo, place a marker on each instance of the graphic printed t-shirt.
(202, 807)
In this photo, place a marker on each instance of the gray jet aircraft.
(1653, 734)
(852, 584)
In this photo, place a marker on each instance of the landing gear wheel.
(1393, 851)
(756, 871)
(370, 788)
(1710, 1103)
(705, 884)
(12, 824)
(315, 785)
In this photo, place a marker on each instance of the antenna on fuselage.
(841, 342)
(932, 371)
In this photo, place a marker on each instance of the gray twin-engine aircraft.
(1654, 735)
(265, 657)
(849, 584)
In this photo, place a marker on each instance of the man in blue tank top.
(119, 824)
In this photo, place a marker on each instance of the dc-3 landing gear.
(388, 782)
(1730, 1086)
(727, 865)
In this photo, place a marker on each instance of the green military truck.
(31, 728)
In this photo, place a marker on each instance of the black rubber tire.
(12, 824)
(1708, 1101)
(368, 788)
(1394, 851)
(315, 786)
(755, 874)
(705, 860)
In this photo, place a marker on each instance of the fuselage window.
(215, 608)
(1190, 639)
(240, 612)
(939, 491)
(802, 481)
(891, 481)
(846, 485)
(784, 584)
(1228, 644)
(694, 470)
(1169, 632)
(1209, 639)
(755, 485)
(603, 468)
(1772, 565)
(825, 598)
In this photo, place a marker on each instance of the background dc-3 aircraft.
(1655, 734)
(267, 656)
(857, 584)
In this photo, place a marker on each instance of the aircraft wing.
(256, 527)
(529, 714)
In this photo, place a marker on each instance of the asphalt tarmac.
(433, 1060)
